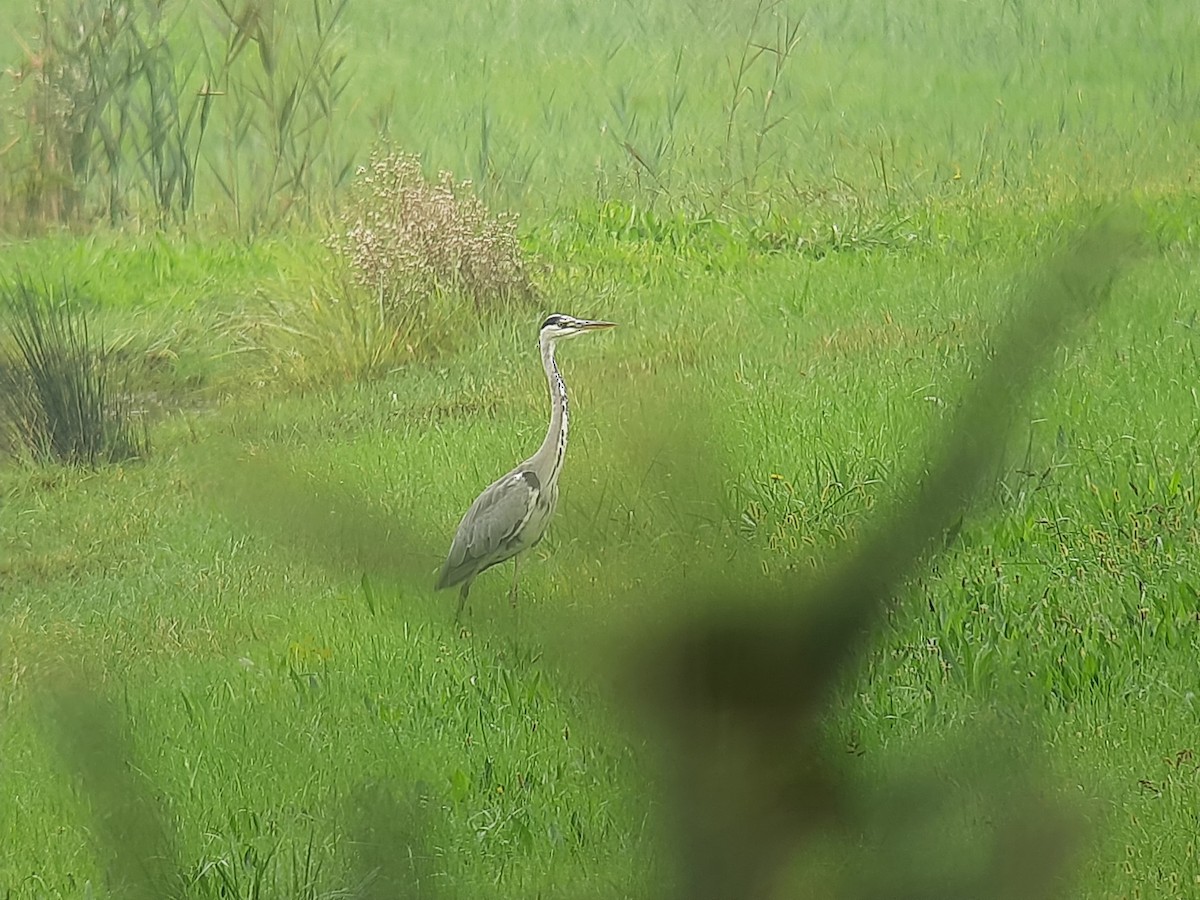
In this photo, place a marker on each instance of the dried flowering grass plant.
(406, 240)
(411, 256)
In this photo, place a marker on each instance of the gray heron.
(512, 513)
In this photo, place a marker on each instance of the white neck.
(549, 458)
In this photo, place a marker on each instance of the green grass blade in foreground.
(741, 695)
(333, 524)
(1063, 296)
(393, 857)
(131, 828)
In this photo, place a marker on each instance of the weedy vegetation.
(62, 401)
(405, 240)
(119, 111)
(874, 571)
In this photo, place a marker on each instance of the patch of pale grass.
(405, 238)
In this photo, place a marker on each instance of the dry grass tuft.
(407, 239)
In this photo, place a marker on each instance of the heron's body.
(513, 512)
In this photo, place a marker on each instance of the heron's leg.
(512, 595)
(462, 600)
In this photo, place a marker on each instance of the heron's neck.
(550, 455)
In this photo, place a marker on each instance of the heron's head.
(558, 327)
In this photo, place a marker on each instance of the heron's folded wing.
(490, 529)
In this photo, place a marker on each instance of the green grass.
(255, 597)
(928, 98)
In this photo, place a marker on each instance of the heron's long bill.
(591, 325)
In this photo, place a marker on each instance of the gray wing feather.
(489, 531)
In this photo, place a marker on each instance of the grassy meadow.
(808, 221)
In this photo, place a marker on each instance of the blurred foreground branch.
(742, 697)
